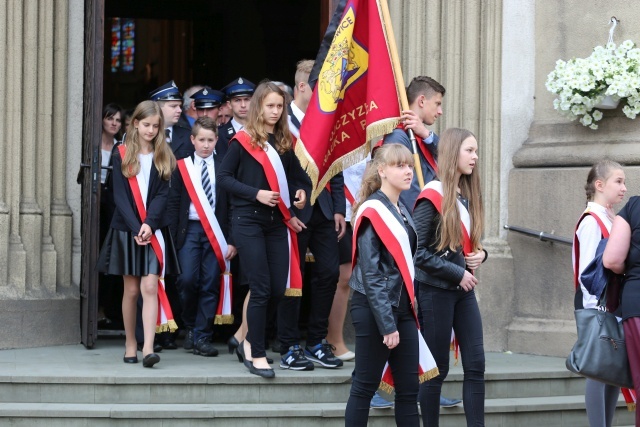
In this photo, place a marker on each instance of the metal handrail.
(545, 237)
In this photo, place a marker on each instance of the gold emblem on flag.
(345, 63)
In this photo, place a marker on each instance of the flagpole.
(397, 71)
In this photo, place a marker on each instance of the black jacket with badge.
(226, 132)
(442, 269)
(376, 273)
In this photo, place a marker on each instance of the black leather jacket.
(376, 274)
(443, 269)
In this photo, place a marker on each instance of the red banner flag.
(355, 98)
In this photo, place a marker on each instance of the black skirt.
(121, 255)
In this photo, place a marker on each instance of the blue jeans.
(442, 310)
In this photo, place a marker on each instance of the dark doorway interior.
(210, 42)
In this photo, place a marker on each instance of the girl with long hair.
(449, 219)
(138, 246)
(264, 179)
(381, 307)
(604, 188)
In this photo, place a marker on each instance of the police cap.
(239, 87)
(167, 92)
(207, 98)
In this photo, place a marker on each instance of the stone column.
(14, 103)
(61, 215)
(4, 151)
(459, 43)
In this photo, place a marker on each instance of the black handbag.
(600, 352)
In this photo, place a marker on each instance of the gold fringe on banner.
(170, 326)
(430, 374)
(385, 387)
(382, 127)
(374, 130)
(223, 319)
(293, 292)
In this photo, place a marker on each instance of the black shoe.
(264, 373)
(240, 352)
(188, 341)
(157, 348)
(295, 360)
(132, 359)
(275, 347)
(205, 348)
(322, 354)
(168, 341)
(150, 359)
(233, 344)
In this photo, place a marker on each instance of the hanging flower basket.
(582, 84)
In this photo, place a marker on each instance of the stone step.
(521, 412)
(290, 387)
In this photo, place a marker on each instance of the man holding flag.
(425, 106)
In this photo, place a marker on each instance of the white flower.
(580, 83)
(586, 120)
(597, 115)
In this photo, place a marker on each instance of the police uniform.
(177, 136)
(238, 87)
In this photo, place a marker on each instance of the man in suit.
(324, 226)
(199, 283)
(238, 93)
(170, 100)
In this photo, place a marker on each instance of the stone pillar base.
(39, 323)
(548, 337)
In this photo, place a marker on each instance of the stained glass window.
(123, 32)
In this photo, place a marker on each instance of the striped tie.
(206, 183)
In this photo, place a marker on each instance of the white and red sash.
(395, 239)
(139, 190)
(433, 192)
(190, 175)
(270, 161)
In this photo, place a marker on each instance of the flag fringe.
(386, 387)
(290, 292)
(374, 130)
(223, 319)
(170, 326)
(631, 406)
(381, 128)
(339, 165)
(430, 374)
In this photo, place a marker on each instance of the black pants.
(199, 283)
(371, 356)
(321, 237)
(441, 310)
(261, 239)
